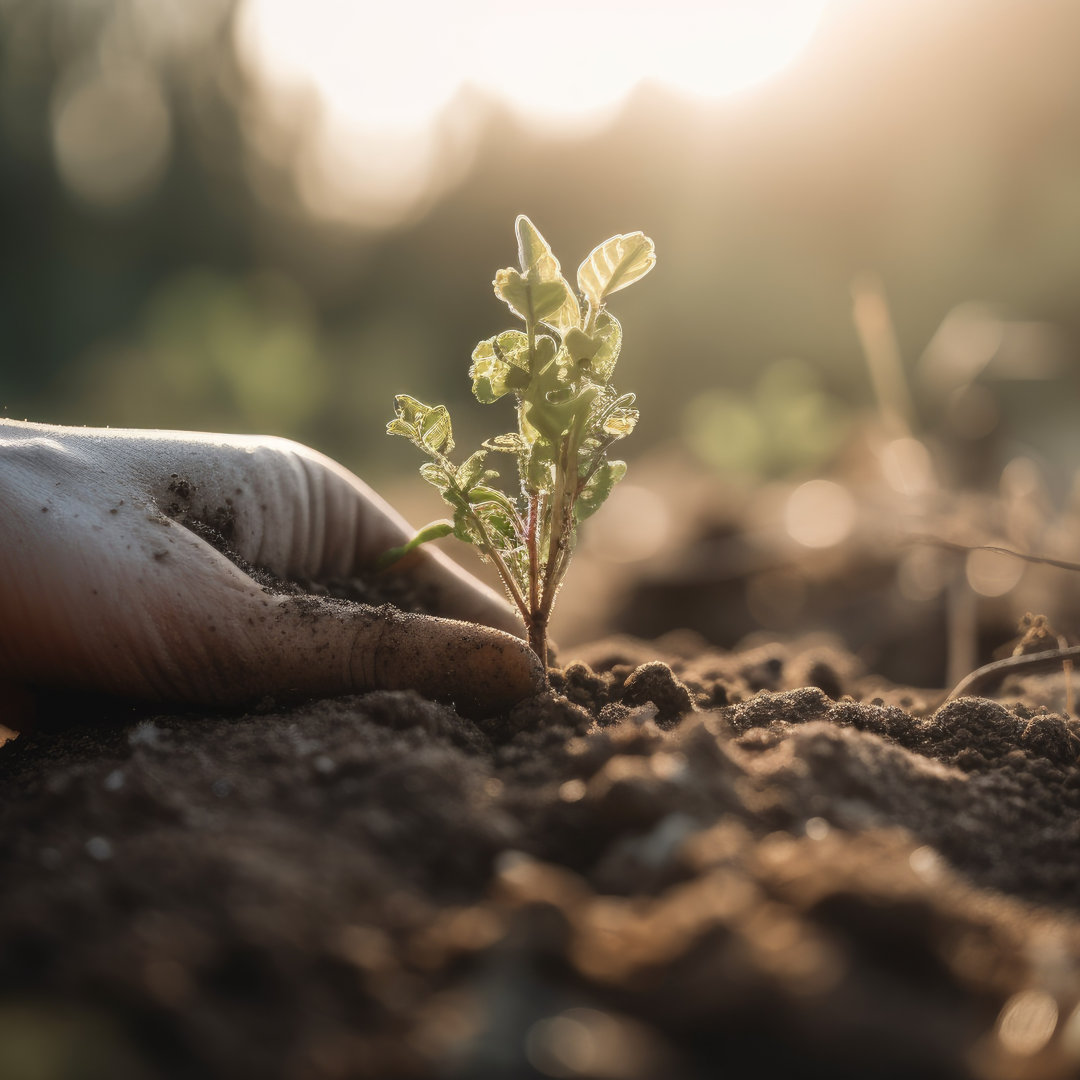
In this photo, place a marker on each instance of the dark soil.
(682, 863)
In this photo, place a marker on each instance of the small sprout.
(435, 531)
(558, 371)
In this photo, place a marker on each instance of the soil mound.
(680, 863)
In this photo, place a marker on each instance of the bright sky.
(385, 73)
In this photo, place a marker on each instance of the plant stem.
(538, 636)
(558, 562)
(486, 545)
(530, 330)
(532, 548)
(500, 565)
(531, 524)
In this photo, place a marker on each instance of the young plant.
(558, 371)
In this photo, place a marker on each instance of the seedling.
(558, 370)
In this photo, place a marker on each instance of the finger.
(286, 507)
(479, 670)
(252, 645)
(198, 630)
(247, 644)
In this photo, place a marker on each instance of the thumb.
(202, 632)
(302, 646)
(478, 670)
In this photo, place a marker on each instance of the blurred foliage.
(230, 351)
(48, 1040)
(787, 424)
(159, 267)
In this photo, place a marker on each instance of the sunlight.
(386, 76)
(703, 50)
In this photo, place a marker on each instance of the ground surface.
(683, 863)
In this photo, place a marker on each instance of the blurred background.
(260, 215)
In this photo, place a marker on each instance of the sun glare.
(383, 76)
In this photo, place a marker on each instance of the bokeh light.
(1027, 1021)
(373, 84)
(819, 514)
(992, 574)
(636, 525)
(112, 134)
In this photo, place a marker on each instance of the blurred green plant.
(558, 370)
(212, 351)
(789, 424)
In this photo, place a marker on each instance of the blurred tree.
(936, 144)
(121, 164)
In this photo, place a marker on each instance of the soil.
(682, 862)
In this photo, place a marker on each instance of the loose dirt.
(681, 863)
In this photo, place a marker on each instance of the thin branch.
(950, 545)
(532, 550)
(1030, 664)
(508, 578)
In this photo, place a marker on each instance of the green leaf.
(540, 468)
(470, 470)
(539, 264)
(555, 414)
(598, 489)
(550, 420)
(548, 298)
(499, 365)
(400, 427)
(580, 345)
(495, 513)
(483, 496)
(435, 475)
(409, 409)
(510, 443)
(514, 346)
(618, 418)
(513, 289)
(621, 422)
(499, 525)
(435, 430)
(609, 333)
(435, 531)
(489, 378)
(517, 560)
(530, 298)
(493, 379)
(534, 252)
(614, 264)
(426, 425)
(464, 528)
(544, 353)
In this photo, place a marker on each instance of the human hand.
(104, 587)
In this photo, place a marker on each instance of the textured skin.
(103, 587)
